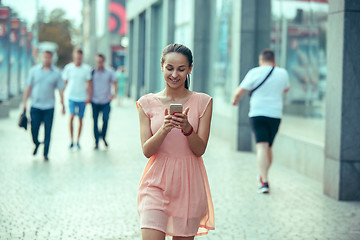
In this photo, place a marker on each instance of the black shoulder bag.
(252, 91)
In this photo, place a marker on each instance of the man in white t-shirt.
(77, 76)
(267, 84)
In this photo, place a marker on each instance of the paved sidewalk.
(91, 194)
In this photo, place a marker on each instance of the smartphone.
(176, 108)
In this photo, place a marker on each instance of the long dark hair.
(179, 48)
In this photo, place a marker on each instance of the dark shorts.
(265, 128)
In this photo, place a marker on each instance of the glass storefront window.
(298, 38)
(183, 18)
(222, 90)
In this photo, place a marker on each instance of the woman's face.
(175, 69)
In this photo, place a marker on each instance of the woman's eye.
(181, 70)
(170, 69)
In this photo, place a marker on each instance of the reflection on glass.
(222, 27)
(298, 38)
(183, 10)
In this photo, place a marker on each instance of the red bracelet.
(189, 133)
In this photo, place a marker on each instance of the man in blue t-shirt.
(267, 84)
(102, 80)
(41, 83)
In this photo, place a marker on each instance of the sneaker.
(71, 145)
(264, 188)
(46, 158)
(96, 147)
(78, 145)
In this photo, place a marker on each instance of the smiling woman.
(177, 60)
(174, 196)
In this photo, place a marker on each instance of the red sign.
(318, 1)
(13, 36)
(2, 30)
(302, 31)
(15, 23)
(4, 13)
(29, 35)
(117, 48)
(117, 20)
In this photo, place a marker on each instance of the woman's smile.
(174, 80)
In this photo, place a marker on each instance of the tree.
(58, 30)
(41, 16)
(57, 15)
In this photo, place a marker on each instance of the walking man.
(102, 79)
(41, 83)
(267, 84)
(77, 76)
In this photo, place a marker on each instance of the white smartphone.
(176, 108)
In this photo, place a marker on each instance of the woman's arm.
(197, 141)
(150, 143)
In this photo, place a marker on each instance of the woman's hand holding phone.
(167, 124)
(176, 120)
(180, 120)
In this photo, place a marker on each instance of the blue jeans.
(105, 110)
(37, 117)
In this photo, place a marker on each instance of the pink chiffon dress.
(174, 195)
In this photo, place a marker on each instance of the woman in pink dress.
(174, 196)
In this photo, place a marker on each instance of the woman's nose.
(174, 74)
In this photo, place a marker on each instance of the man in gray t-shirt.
(41, 83)
(102, 80)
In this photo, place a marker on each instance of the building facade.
(104, 29)
(16, 58)
(226, 37)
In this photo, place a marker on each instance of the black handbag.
(252, 91)
(23, 121)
